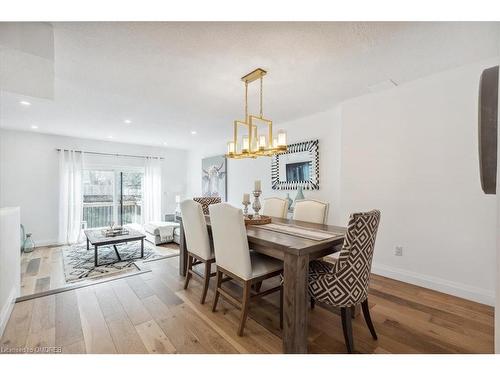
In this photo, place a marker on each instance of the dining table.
(296, 251)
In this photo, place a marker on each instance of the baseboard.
(43, 243)
(468, 292)
(7, 310)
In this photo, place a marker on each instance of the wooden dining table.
(295, 252)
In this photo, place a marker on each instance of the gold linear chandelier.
(253, 143)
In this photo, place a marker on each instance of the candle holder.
(256, 204)
(245, 210)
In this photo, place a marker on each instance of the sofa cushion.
(154, 226)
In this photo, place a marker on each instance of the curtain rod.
(109, 154)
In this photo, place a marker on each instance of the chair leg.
(353, 312)
(281, 307)
(313, 303)
(258, 286)
(217, 286)
(368, 319)
(206, 282)
(188, 273)
(244, 307)
(345, 313)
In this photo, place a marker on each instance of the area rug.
(79, 262)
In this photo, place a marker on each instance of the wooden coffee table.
(97, 238)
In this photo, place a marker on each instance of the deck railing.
(100, 214)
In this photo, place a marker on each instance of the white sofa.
(160, 232)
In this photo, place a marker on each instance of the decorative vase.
(23, 238)
(290, 201)
(300, 194)
(29, 244)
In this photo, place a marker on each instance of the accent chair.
(206, 201)
(345, 282)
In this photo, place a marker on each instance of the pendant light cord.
(261, 113)
(246, 101)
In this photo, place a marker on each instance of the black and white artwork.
(214, 177)
(298, 166)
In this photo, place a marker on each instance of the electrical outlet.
(398, 251)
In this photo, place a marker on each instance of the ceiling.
(172, 78)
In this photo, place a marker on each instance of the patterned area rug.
(79, 262)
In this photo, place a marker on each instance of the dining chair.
(276, 207)
(198, 244)
(206, 201)
(311, 210)
(237, 262)
(344, 284)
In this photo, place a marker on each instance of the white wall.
(29, 175)
(10, 262)
(324, 126)
(193, 187)
(242, 173)
(410, 151)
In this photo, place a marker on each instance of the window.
(112, 197)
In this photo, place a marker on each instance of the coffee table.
(97, 239)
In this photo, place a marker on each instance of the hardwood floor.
(43, 270)
(151, 313)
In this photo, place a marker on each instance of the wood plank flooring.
(151, 313)
(43, 270)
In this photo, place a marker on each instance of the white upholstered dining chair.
(198, 244)
(237, 262)
(276, 207)
(311, 210)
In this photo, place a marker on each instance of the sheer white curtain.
(70, 196)
(151, 209)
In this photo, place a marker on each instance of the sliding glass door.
(130, 193)
(98, 198)
(112, 197)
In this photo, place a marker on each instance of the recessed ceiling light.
(127, 121)
(193, 132)
(25, 103)
(34, 126)
(109, 137)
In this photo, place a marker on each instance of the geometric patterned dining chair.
(206, 201)
(344, 284)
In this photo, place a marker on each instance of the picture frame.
(214, 177)
(297, 167)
